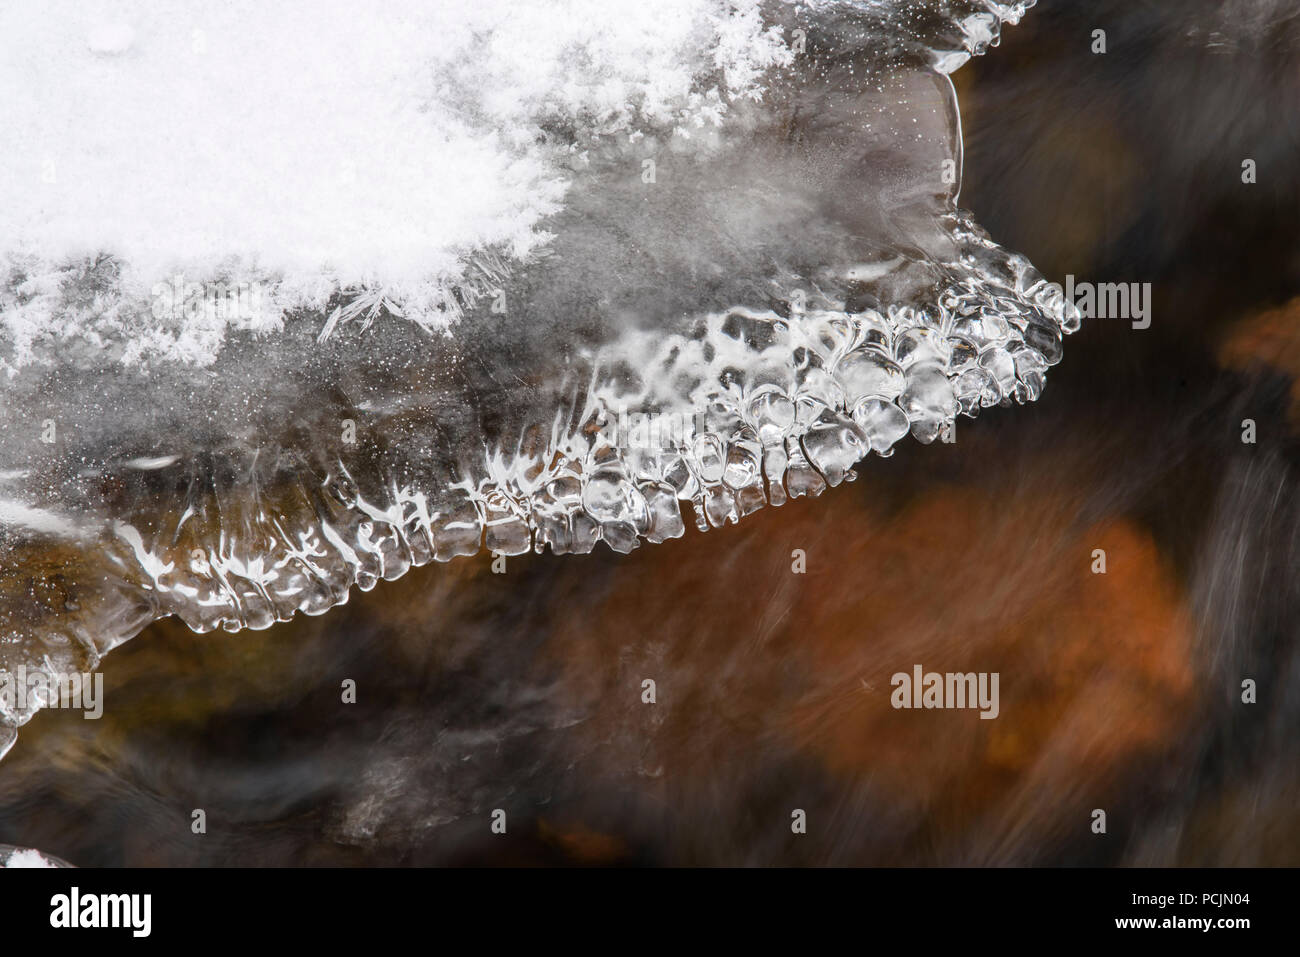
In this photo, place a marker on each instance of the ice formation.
(530, 275)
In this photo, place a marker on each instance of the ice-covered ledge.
(769, 249)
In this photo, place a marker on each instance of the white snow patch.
(317, 145)
(28, 858)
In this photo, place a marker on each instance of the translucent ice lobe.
(727, 315)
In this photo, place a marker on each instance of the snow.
(318, 145)
(28, 858)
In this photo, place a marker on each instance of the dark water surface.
(522, 691)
